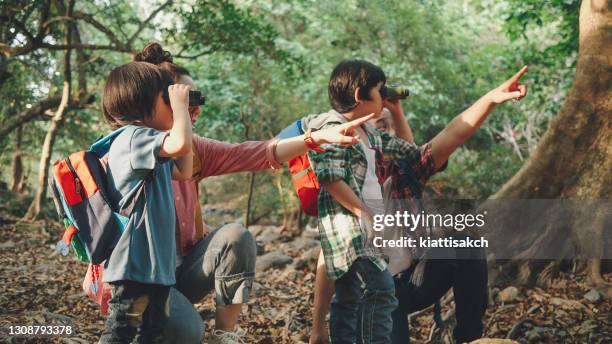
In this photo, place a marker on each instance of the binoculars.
(196, 98)
(394, 92)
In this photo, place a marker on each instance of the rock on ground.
(272, 260)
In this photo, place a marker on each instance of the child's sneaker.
(224, 337)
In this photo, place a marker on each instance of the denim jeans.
(223, 262)
(362, 307)
(466, 274)
(137, 313)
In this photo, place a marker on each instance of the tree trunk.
(251, 182)
(45, 157)
(247, 210)
(17, 163)
(572, 161)
(56, 123)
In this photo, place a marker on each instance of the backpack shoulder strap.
(102, 145)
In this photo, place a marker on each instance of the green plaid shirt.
(343, 239)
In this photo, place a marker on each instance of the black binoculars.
(394, 92)
(196, 98)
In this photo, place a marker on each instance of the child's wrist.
(181, 115)
(183, 111)
(398, 113)
(488, 98)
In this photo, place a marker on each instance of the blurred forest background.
(264, 64)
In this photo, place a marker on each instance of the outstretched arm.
(342, 134)
(466, 123)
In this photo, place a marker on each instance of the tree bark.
(251, 181)
(17, 163)
(37, 110)
(56, 122)
(573, 160)
(249, 202)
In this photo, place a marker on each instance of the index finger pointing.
(518, 75)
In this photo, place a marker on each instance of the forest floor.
(40, 287)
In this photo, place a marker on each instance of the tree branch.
(191, 57)
(101, 27)
(36, 42)
(44, 14)
(42, 110)
(25, 116)
(85, 47)
(21, 26)
(144, 23)
(52, 20)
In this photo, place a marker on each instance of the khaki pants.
(223, 261)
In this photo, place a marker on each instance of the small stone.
(7, 244)
(593, 296)
(303, 244)
(272, 260)
(299, 245)
(508, 295)
(267, 238)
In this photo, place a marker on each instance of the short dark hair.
(346, 77)
(131, 91)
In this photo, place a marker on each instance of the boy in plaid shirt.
(350, 182)
(351, 179)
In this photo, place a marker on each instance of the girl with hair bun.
(222, 260)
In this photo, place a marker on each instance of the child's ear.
(357, 97)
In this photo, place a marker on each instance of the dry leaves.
(40, 287)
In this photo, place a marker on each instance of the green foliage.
(213, 27)
(263, 64)
(473, 174)
(522, 15)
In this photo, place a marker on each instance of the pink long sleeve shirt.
(216, 158)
